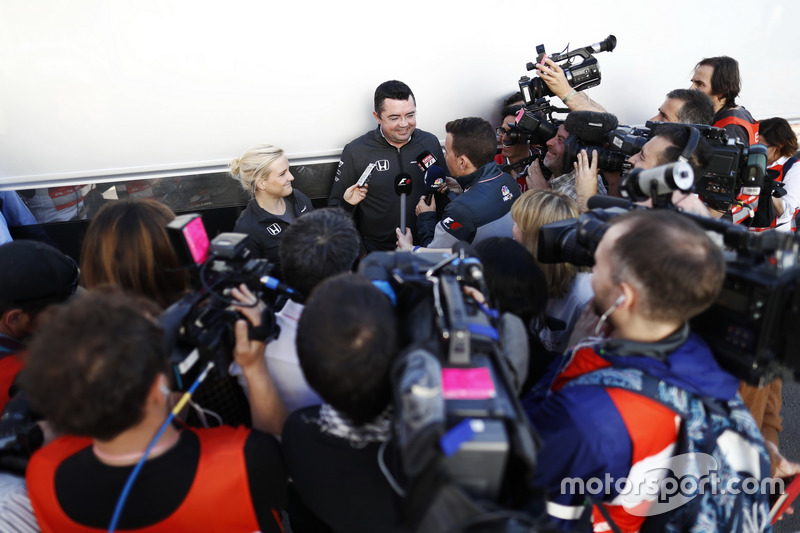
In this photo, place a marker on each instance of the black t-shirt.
(83, 484)
(340, 482)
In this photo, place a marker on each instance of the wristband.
(570, 95)
(416, 248)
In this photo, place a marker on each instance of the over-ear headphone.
(691, 144)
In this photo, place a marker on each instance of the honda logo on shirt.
(274, 229)
(382, 165)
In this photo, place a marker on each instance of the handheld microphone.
(402, 187)
(425, 160)
(434, 179)
(591, 127)
(640, 184)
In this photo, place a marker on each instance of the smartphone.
(365, 175)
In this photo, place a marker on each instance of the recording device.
(530, 126)
(425, 160)
(639, 184)
(584, 75)
(434, 180)
(457, 416)
(402, 188)
(589, 130)
(752, 325)
(735, 170)
(365, 175)
(199, 328)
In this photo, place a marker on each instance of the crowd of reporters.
(89, 371)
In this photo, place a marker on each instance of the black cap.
(33, 272)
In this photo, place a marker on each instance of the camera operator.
(781, 142)
(580, 183)
(511, 155)
(319, 244)
(97, 372)
(685, 106)
(347, 339)
(654, 270)
(718, 77)
(484, 208)
(668, 145)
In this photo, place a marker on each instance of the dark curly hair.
(92, 364)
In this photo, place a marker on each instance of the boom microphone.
(434, 179)
(642, 184)
(591, 127)
(402, 187)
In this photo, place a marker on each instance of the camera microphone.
(402, 187)
(591, 127)
(434, 179)
(641, 184)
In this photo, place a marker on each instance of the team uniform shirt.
(483, 210)
(378, 214)
(609, 434)
(266, 230)
(738, 123)
(219, 479)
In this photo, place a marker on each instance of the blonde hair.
(254, 164)
(533, 210)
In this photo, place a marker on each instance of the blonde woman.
(263, 172)
(568, 287)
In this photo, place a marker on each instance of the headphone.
(691, 145)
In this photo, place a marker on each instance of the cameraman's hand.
(354, 194)
(585, 179)
(404, 240)
(555, 79)
(422, 207)
(535, 178)
(267, 410)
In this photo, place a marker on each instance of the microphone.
(434, 179)
(591, 127)
(606, 202)
(426, 160)
(402, 187)
(640, 184)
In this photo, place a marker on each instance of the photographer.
(97, 372)
(513, 156)
(685, 106)
(653, 271)
(580, 183)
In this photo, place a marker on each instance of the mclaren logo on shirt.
(274, 229)
(382, 165)
(506, 194)
(449, 223)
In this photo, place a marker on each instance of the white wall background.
(101, 88)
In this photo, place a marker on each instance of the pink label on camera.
(197, 239)
(467, 384)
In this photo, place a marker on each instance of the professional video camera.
(752, 326)
(200, 327)
(582, 76)
(464, 442)
(736, 171)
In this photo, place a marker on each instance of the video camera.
(752, 325)
(582, 76)
(458, 424)
(200, 327)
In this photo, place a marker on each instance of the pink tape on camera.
(467, 384)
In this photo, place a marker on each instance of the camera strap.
(691, 145)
